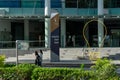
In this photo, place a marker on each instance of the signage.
(22, 45)
(54, 36)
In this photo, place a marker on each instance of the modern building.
(25, 20)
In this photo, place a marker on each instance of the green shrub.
(9, 65)
(104, 70)
(28, 67)
(79, 75)
(100, 62)
(49, 73)
(61, 74)
(12, 73)
(20, 72)
(2, 59)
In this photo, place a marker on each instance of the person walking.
(37, 59)
(41, 56)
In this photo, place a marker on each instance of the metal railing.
(12, 44)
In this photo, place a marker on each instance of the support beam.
(100, 7)
(100, 26)
(63, 3)
(47, 23)
(63, 32)
(100, 33)
(26, 29)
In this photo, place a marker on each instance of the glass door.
(115, 37)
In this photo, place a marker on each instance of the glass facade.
(28, 3)
(10, 3)
(91, 3)
(74, 33)
(58, 3)
(73, 26)
(32, 3)
(112, 3)
(81, 3)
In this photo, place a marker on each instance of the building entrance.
(115, 37)
(17, 31)
(74, 36)
(74, 33)
(36, 33)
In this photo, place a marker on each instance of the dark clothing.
(38, 60)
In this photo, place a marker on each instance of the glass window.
(32, 3)
(29, 3)
(40, 3)
(56, 4)
(71, 3)
(91, 3)
(81, 3)
(87, 3)
(112, 3)
(10, 3)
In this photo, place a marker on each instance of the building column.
(63, 28)
(63, 3)
(63, 32)
(100, 26)
(26, 29)
(47, 23)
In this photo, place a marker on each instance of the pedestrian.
(41, 55)
(37, 59)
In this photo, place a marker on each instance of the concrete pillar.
(100, 33)
(26, 29)
(100, 7)
(100, 26)
(47, 23)
(63, 3)
(63, 32)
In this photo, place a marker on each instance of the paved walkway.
(68, 57)
(61, 63)
(72, 63)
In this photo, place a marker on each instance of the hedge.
(20, 72)
(102, 70)
(61, 74)
(2, 59)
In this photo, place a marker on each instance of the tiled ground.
(76, 54)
